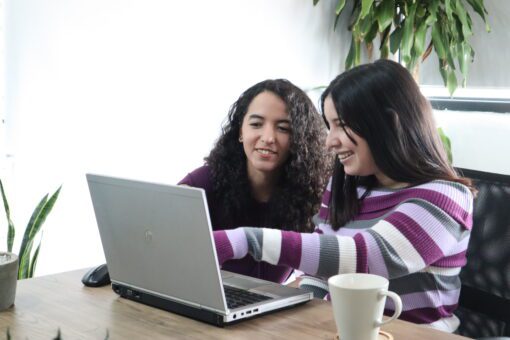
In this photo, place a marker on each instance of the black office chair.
(484, 305)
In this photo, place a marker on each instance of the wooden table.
(45, 304)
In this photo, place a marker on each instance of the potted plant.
(414, 28)
(21, 266)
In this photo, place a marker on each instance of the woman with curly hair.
(395, 207)
(267, 169)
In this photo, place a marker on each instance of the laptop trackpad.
(240, 282)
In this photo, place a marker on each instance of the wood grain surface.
(45, 304)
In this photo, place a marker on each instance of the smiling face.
(355, 154)
(265, 134)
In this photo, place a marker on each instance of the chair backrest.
(484, 305)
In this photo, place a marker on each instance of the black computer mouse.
(97, 277)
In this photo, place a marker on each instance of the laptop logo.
(148, 236)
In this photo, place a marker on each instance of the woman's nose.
(331, 141)
(268, 135)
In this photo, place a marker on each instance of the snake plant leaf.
(385, 13)
(339, 7)
(31, 222)
(33, 263)
(11, 231)
(24, 261)
(407, 36)
(34, 225)
(365, 7)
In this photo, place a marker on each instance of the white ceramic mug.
(358, 304)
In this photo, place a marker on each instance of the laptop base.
(181, 309)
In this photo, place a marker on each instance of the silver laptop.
(159, 249)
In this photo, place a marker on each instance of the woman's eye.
(255, 124)
(284, 128)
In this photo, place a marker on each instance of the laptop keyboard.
(239, 297)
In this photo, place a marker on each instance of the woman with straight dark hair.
(394, 207)
(267, 169)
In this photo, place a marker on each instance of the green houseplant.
(414, 28)
(27, 257)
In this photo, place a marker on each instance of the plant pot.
(8, 279)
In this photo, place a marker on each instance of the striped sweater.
(416, 237)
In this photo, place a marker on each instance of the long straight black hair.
(382, 103)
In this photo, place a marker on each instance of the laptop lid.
(143, 226)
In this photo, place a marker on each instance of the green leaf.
(33, 218)
(355, 15)
(421, 11)
(315, 2)
(437, 40)
(408, 35)
(336, 22)
(463, 17)
(451, 82)
(34, 260)
(432, 17)
(34, 225)
(443, 70)
(354, 56)
(11, 231)
(448, 9)
(446, 144)
(339, 7)
(385, 13)
(24, 261)
(479, 8)
(363, 27)
(464, 57)
(384, 48)
(365, 7)
(371, 34)
(419, 39)
(395, 39)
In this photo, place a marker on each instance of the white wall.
(135, 88)
(480, 140)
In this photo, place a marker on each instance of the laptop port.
(234, 316)
(248, 312)
(255, 310)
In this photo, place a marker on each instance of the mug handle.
(398, 306)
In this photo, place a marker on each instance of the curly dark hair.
(298, 192)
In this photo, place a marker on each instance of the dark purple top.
(252, 216)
